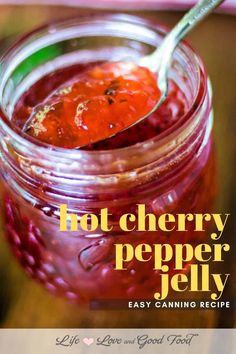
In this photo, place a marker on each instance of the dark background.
(23, 303)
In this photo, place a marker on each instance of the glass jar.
(173, 172)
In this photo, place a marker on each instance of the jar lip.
(157, 141)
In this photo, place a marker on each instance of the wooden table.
(24, 303)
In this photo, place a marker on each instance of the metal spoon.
(160, 60)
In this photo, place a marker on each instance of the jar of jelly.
(165, 162)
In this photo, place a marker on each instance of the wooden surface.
(24, 303)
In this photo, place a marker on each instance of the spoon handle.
(160, 60)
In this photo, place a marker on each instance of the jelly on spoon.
(97, 103)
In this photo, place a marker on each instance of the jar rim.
(158, 141)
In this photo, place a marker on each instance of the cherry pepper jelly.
(165, 162)
(99, 102)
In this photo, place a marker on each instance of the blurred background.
(23, 303)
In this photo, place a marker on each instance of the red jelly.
(97, 103)
(165, 162)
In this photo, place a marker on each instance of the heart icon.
(88, 341)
